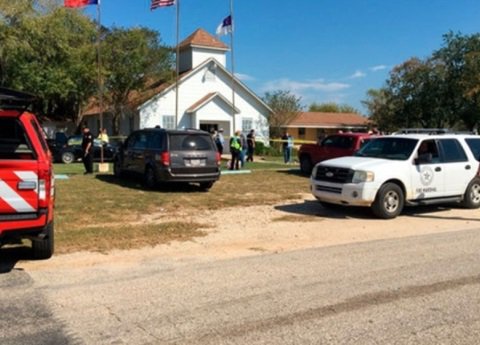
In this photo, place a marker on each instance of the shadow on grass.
(9, 256)
(314, 208)
(293, 172)
(134, 182)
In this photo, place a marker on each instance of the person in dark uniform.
(87, 149)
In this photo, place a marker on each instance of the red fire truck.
(26, 176)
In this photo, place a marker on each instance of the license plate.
(197, 162)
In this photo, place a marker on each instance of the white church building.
(205, 97)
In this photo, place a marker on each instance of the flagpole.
(177, 63)
(99, 71)
(233, 66)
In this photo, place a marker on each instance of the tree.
(379, 109)
(460, 57)
(441, 90)
(332, 107)
(48, 50)
(131, 58)
(285, 107)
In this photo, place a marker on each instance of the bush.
(262, 150)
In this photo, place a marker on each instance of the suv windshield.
(182, 142)
(388, 148)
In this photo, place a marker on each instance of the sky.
(319, 50)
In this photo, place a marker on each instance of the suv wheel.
(43, 248)
(68, 157)
(306, 165)
(471, 199)
(150, 178)
(389, 201)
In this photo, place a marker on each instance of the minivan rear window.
(14, 143)
(183, 142)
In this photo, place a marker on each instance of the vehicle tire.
(205, 186)
(150, 178)
(117, 168)
(471, 198)
(389, 201)
(68, 157)
(43, 248)
(306, 165)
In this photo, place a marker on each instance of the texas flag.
(225, 27)
(80, 3)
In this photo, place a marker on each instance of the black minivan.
(168, 155)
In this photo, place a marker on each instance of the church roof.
(201, 38)
(206, 99)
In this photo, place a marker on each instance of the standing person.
(287, 142)
(220, 141)
(87, 150)
(103, 136)
(243, 149)
(235, 148)
(250, 145)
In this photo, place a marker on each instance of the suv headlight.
(363, 176)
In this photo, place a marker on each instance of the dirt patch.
(259, 230)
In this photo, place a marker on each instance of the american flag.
(161, 3)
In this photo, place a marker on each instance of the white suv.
(393, 171)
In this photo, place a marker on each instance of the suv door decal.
(10, 197)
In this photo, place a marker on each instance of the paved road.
(414, 290)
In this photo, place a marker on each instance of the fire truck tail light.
(45, 186)
(42, 192)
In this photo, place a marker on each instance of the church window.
(168, 121)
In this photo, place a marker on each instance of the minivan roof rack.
(12, 99)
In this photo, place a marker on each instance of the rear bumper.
(23, 225)
(166, 175)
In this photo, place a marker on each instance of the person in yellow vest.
(235, 148)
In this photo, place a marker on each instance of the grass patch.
(106, 238)
(101, 212)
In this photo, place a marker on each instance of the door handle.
(438, 169)
(467, 167)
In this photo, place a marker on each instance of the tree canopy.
(285, 107)
(442, 90)
(131, 58)
(331, 107)
(51, 51)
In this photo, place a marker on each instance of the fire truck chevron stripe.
(15, 201)
(28, 176)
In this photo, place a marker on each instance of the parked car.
(408, 169)
(332, 146)
(26, 176)
(71, 151)
(164, 155)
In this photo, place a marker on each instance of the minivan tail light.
(163, 158)
(219, 158)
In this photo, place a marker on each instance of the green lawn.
(100, 212)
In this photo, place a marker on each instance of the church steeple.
(198, 47)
